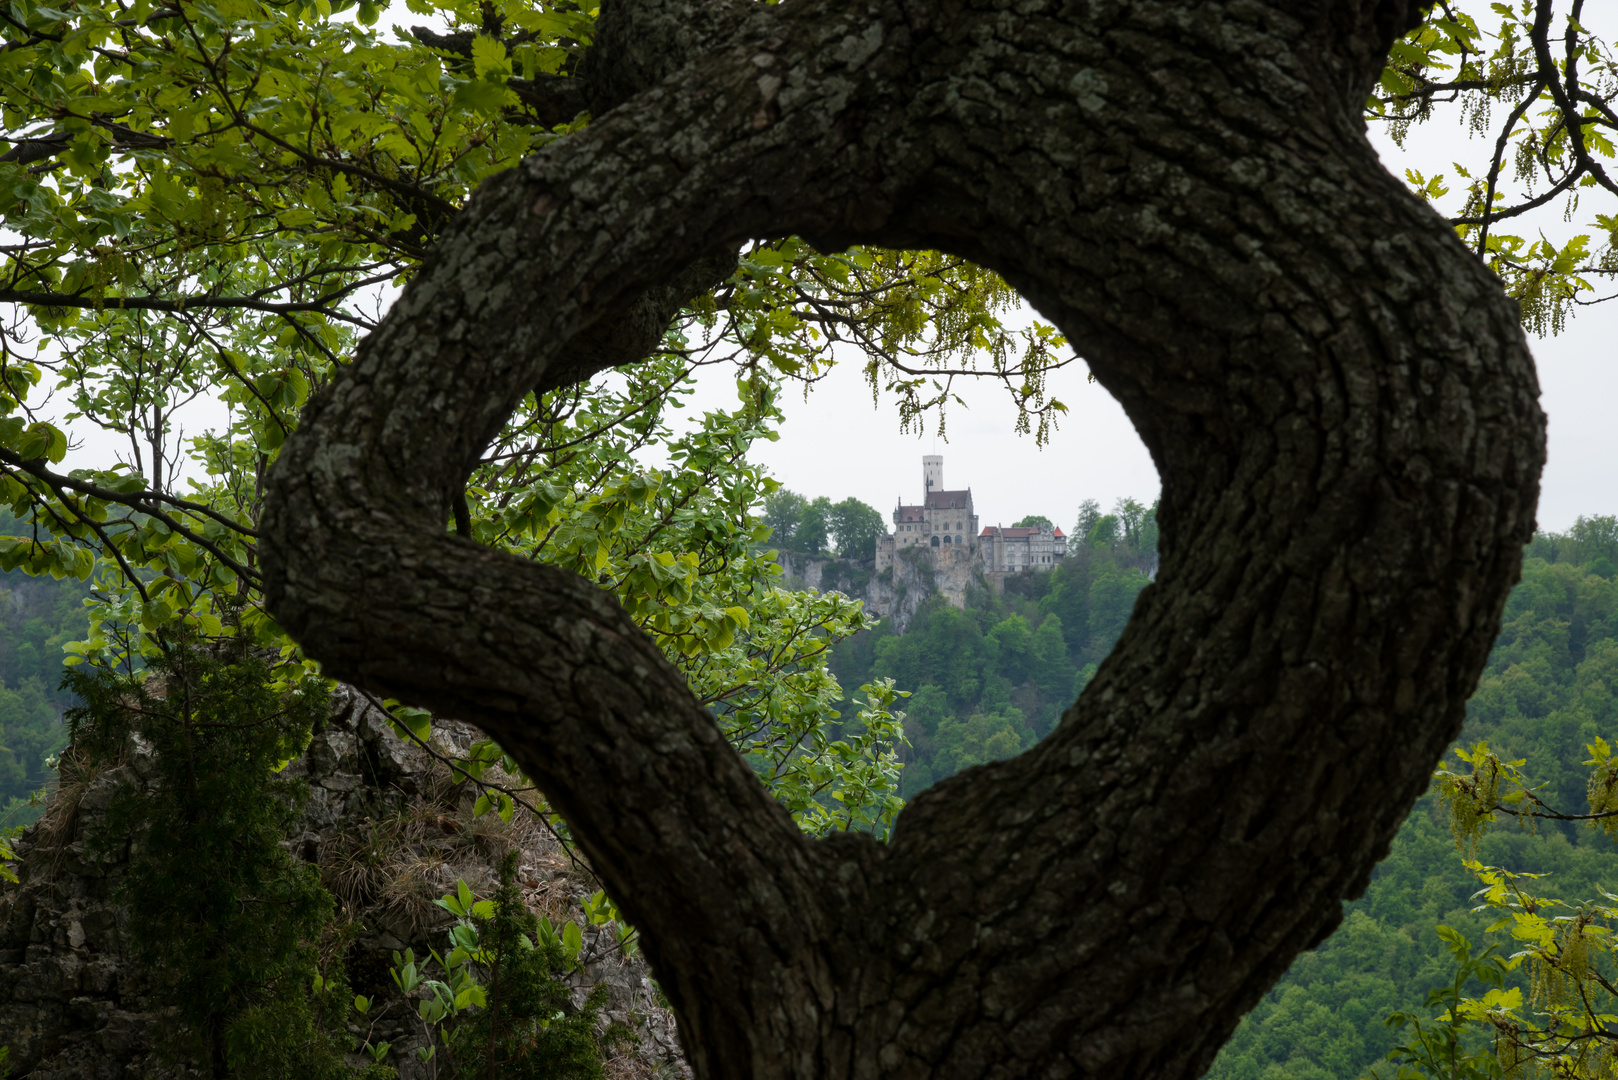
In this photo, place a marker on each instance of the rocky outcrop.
(390, 830)
(895, 593)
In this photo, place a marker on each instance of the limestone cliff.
(895, 593)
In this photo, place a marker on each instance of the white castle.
(944, 521)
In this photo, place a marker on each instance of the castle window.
(946, 539)
(935, 541)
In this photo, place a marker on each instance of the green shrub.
(529, 1029)
(225, 922)
(503, 1006)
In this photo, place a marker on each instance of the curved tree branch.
(145, 502)
(180, 305)
(1339, 400)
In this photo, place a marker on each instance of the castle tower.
(932, 474)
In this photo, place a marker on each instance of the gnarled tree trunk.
(1337, 396)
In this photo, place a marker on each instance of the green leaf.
(482, 96)
(489, 59)
(417, 722)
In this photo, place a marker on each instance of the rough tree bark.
(1338, 398)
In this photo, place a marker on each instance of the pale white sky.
(837, 444)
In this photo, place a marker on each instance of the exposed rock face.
(895, 593)
(390, 832)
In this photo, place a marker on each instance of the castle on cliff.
(944, 521)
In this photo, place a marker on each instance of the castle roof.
(1017, 533)
(909, 513)
(948, 500)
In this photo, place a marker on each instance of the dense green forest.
(850, 528)
(38, 615)
(989, 681)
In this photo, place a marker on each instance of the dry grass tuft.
(440, 788)
(410, 889)
(355, 881)
(75, 772)
(492, 838)
(626, 1064)
(354, 865)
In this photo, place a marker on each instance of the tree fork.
(1339, 400)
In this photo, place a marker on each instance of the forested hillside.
(990, 681)
(38, 615)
